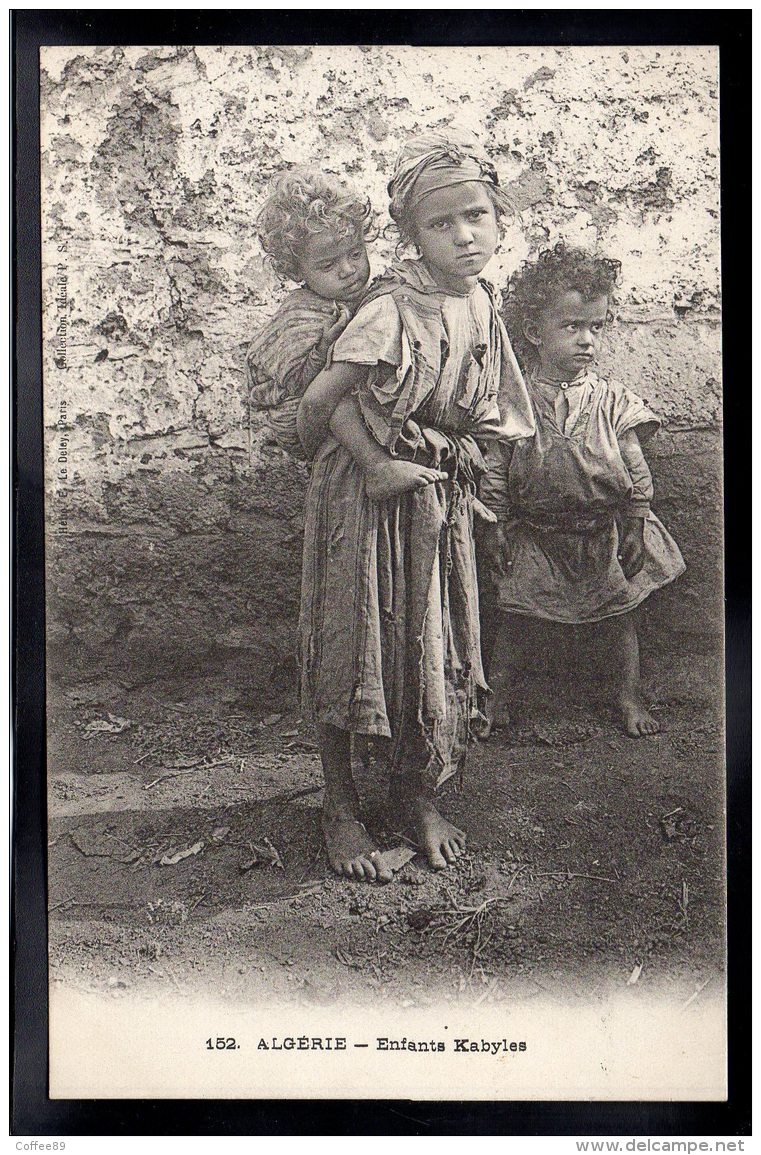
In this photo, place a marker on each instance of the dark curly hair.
(561, 269)
(305, 202)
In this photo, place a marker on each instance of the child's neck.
(453, 286)
(551, 376)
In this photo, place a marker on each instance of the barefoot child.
(389, 618)
(576, 539)
(314, 228)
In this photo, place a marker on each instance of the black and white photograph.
(384, 571)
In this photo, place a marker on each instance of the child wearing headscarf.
(421, 381)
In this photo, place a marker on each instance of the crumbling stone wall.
(174, 522)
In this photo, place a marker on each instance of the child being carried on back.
(314, 228)
(420, 380)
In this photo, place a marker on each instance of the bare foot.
(441, 841)
(392, 477)
(482, 725)
(639, 723)
(483, 511)
(491, 717)
(351, 850)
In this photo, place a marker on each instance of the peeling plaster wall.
(174, 522)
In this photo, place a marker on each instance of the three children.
(419, 402)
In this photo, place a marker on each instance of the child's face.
(569, 334)
(336, 268)
(456, 232)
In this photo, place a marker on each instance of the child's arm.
(494, 536)
(289, 352)
(632, 520)
(320, 400)
(385, 476)
(304, 374)
(327, 405)
(493, 486)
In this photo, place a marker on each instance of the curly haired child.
(576, 540)
(314, 228)
(420, 380)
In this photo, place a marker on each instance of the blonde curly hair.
(303, 203)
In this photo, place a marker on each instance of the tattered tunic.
(389, 614)
(284, 359)
(562, 494)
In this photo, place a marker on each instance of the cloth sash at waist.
(543, 523)
(456, 454)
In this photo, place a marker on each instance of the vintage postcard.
(375, 376)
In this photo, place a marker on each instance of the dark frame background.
(33, 1113)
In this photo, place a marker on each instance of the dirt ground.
(185, 853)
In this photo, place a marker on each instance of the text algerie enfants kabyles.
(382, 1043)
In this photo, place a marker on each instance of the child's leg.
(412, 803)
(496, 647)
(496, 672)
(350, 849)
(622, 635)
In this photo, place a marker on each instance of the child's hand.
(390, 477)
(483, 511)
(494, 547)
(631, 545)
(336, 328)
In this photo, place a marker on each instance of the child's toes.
(436, 859)
(373, 867)
(367, 866)
(638, 722)
(383, 873)
(646, 726)
(643, 728)
(451, 851)
(446, 854)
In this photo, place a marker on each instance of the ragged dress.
(283, 360)
(389, 627)
(561, 495)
